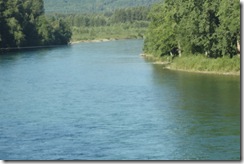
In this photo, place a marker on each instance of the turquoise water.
(102, 101)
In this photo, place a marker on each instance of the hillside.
(88, 6)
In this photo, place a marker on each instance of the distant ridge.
(91, 6)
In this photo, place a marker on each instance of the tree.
(161, 38)
(194, 27)
(62, 32)
(23, 23)
(229, 29)
(11, 30)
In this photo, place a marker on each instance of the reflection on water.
(102, 101)
(211, 104)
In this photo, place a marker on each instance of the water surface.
(102, 101)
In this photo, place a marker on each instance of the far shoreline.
(99, 40)
(92, 41)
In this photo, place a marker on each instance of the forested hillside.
(102, 19)
(23, 23)
(88, 6)
(122, 23)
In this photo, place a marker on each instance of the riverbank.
(99, 40)
(199, 64)
(92, 41)
(117, 32)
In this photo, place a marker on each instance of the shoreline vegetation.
(194, 64)
(99, 40)
(25, 25)
(196, 36)
(210, 49)
(198, 64)
(107, 34)
(124, 23)
(92, 41)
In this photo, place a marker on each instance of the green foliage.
(205, 64)
(116, 31)
(130, 15)
(126, 15)
(192, 27)
(120, 24)
(161, 38)
(91, 6)
(11, 30)
(23, 23)
(229, 29)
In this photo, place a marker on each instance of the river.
(102, 101)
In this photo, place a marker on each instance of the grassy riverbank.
(200, 64)
(114, 32)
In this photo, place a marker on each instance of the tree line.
(23, 23)
(91, 6)
(126, 15)
(184, 27)
(120, 24)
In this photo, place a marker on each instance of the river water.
(102, 101)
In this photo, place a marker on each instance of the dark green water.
(102, 101)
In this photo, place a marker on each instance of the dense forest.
(91, 6)
(194, 27)
(23, 23)
(102, 19)
(122, 23)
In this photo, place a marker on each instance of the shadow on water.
(205, 110)
(15, 54)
